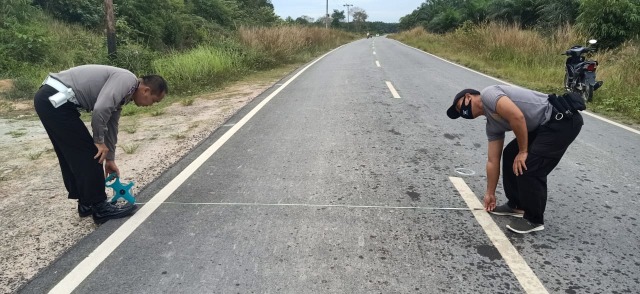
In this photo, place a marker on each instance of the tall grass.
(620, 70)
(291, 43)
(65, 46)
(198, 68)
(187, 72)
(256, 49)
(533, 59)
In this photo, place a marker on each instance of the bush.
(203, 67)
(26, 83)
(189, 31)
(135, 58)
(17, 12)
(88, 13)
(26, 43)
(72, 45)
(217, 11)
(445, 21)
(610, 21)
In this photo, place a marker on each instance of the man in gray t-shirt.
(541, 140)
(84, 158)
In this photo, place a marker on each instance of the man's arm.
(105, 127)
(510, 112)
(111, 138)
(493, 173)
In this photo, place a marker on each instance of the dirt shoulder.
(38, 223)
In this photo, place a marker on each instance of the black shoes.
(84, 210)
(105, 211)
(523, 226)
(504, 209)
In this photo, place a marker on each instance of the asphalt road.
(335, 186)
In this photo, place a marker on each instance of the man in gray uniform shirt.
(85, 158)
(542, 137)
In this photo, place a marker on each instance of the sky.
(378, 10)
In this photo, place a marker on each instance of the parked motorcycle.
(580, 75)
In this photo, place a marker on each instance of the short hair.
(157, 84)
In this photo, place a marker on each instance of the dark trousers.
(83, 176)
(547, 145)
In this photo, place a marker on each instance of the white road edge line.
(507, 83)
(95, 258)
(393, 90)
(527, 278)
(378, 63)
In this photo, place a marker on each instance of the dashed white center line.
(378, 63)
(393, 90)
(374, 53)
(527, 278)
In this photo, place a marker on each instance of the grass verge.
(534, 60)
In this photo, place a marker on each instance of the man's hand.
(519, 165)
(111, 167)
(102, 152)
(489, 202)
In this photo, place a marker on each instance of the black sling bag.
(567, 104)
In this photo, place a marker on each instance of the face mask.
(465, 110)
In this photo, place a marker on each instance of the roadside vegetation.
(533, 60)
(197, 46)
(521, 41)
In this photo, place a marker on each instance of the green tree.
(304, 20)
(255, 12)
(610, 21)
(21, 39)
(359, 18)
(378, 27)
(522, 12)
(337, 18)
(419, 17)
(15, 12)
(221, 12)
(445, 15)
(88, 13)
(445, 21)
(557, 13)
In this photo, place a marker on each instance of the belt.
(61, 88)
(558, 116)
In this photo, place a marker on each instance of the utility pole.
(326, 17)
(348, 6)
(111, 29)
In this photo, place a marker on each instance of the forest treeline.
(612, 22)
(155, 25)
(40, 36)
(199, 43)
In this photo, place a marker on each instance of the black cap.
(452, 112)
